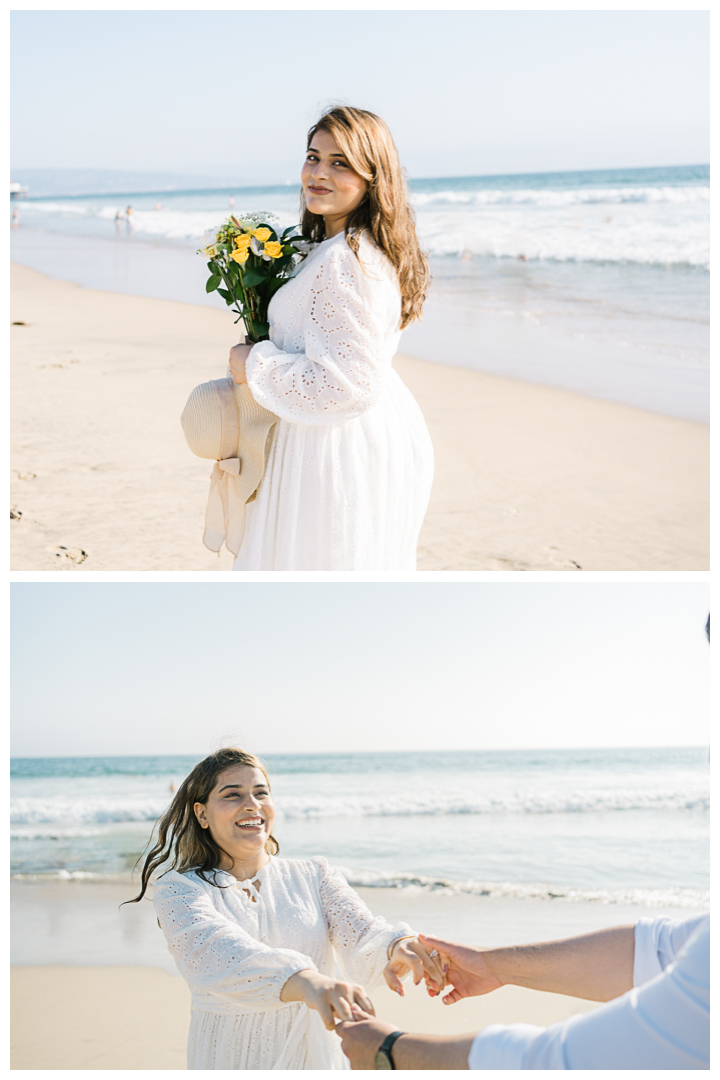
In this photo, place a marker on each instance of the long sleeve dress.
(351, 462)
(237, 945)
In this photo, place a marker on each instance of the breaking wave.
(650, 897)
(64, 813)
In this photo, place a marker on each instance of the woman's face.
(331, 187)
(239, 812)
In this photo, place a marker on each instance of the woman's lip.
(319, 190)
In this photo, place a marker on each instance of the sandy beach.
(137, 1017)
(108, 996)
(528, 477)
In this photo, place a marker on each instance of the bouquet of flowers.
(252, 261)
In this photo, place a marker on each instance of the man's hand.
(410, 955)
(467, 969)
(362, 1039)
(333, 998)
(597, 966)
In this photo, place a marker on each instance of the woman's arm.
(363, 941)
(338, 374)
(214, 953)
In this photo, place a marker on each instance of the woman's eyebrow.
(255, 786)
(311, 149)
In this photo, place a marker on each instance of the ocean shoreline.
(490, 336)
(93, 450)
(80, 923)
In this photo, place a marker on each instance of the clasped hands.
(336, 1000)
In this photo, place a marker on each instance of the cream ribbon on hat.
(238, 471)
(222, 420)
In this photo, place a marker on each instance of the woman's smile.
(251, 824)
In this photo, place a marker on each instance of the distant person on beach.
(257, 937)
(350, 463)
(231, 200)
(118, 219)
(15, 218)
(129, 218)
(654, 978)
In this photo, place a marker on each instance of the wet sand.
(528, 477)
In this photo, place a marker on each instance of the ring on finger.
(433, 953)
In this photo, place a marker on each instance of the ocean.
(592, 281)
(607, 827)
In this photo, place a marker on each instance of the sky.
(232, 93)
(184, 668)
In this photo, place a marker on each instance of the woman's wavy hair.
(182, 842)
(385, 212)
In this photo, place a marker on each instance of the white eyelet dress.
(350, 465)
(237, 945)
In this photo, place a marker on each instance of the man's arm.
(597, 966)
(362, 1040)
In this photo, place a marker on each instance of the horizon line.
(244, 186)
(325, 753)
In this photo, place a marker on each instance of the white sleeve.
(215, 954)
(338, 375)
(657, 944)
(359, 938)
(665, 1024)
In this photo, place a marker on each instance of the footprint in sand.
(562, 562)
(76, 555)
(15, 514)
(27, 476)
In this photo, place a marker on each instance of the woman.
(255, 936)
(350, 463)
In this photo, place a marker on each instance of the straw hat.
(223, 421)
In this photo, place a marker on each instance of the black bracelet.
(385, 1049)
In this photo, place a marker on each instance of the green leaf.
(251, 278)
(227, 297)
(212, 283)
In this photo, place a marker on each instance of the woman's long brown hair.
(182, 843)
(385, 212)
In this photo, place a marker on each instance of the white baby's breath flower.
(251, 221)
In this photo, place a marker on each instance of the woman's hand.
(411, 955)
(332, 998)
(238, 356)
(468, 970)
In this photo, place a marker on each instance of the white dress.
(351, 461)
(237, 946)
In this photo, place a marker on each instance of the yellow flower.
(273, 248)
(243, 241)
(262, 235)
(240, 256)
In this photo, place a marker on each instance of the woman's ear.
(199, 809)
